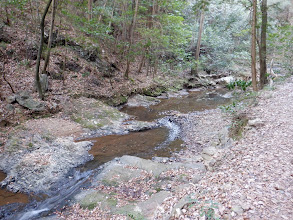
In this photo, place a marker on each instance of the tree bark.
(104, 6)
(141, 63)
(112, 14)
(263, 45)
(253, 46)
(90, 10)
(194, 70)
(131, 39)
(37, 74)
(7, 16)
(47, 60)
(124, 6)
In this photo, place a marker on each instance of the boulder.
(211, 151)
(141, 100)
(24, 99)
(44, 82)
(11, 99)
(34, 163)
(225, 80)
(149, 206)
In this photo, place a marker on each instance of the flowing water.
(161, 142)
(197, 100)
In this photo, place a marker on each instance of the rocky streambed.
(39, 162)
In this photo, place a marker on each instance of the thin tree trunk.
(7, 16)
(134, 21)
(37, 74)
(47, 60)
(141, 63)
(112, 14)
(148, 67)
(65, 61)
(263, 44)
(155, 68)
(124, 24)
(104, 6)
(194, 70)
(131, 39)
(3, 72)
(153, 12)
(253, 46)
(90, 10)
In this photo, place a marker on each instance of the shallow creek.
(158, 142)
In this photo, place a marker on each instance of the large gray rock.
(147, 208)
(141, 100)
(148, 165)
(44, 82)
(24, 99)
(102, 119)
(35, 164)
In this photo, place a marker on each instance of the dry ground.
(255, 180)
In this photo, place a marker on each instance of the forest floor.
(255, 178)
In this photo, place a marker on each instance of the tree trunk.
(102, 12)
(194, 70)
(263, 44)
(141, 63)
(7, 16)
(133, 21)
(124, 23)
(37, 74)
(47, 60)
(131, 39)
(90, 10)
(155, 67)
(153, 11)
(112, 14)
(253, 46)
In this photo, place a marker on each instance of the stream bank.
(135, 188)
(97, 120)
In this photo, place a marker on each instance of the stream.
(158, 142)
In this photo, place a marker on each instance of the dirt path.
(255, 180)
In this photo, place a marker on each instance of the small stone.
(177, 212)
(10, 107)
(196, 179)
(210, 151)
(245, 206)
(11, 99)
(212, 163)
(237, 209)
(255, 123)
(206, 157)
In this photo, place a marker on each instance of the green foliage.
(25, 63)
(209, 210)
(20, 4)
(242, 84)
(86, 74)
(226, 38)
(230, 108)
(280, 42)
